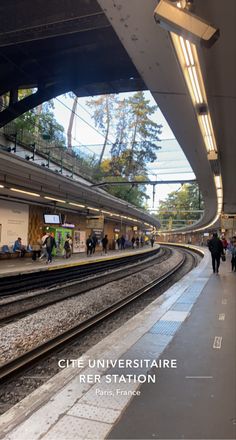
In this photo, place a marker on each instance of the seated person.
(19, 248)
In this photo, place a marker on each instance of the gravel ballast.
(33, 330)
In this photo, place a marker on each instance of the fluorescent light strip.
(76, 204)
(184, 51)
(190, 54)
(218, 181)
(207, 125)
(204, 123)
(25, 192)
(197, 83)
(211, 143)
(106, 212)
(195, 92)
(54, 200)
(187, 55)
(93, 209)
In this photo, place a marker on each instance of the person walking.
(104, 244)
(216, 248)
(43, 246)
(50, 244)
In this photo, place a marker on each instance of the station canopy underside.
(94, 47)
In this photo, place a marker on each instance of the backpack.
(67, 245)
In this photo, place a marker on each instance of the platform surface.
(13, 266)
(194, 324)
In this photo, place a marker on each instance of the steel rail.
(73, 288)
(15, 365)
(22, 282)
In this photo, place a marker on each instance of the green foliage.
(49, 128)
(136, 135)
(174, 211)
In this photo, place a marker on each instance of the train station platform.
(24, 265)
(167, 373)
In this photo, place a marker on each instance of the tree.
(175, 211)
(144, 133)
(72, 118)
(49, 128)
(103, 108)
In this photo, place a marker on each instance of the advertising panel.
(14, 218)
(79, 241)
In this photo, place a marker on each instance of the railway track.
(25, 360)
(17, 306)
(19, 283)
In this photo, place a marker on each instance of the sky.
(171, 163)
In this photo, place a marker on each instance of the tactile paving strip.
(165, 327)
(181, 307)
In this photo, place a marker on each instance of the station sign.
(228, 222)
(93, 222)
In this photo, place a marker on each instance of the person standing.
(36, 248)
(133, 241)
(122, 242)
(216, 248)
(89, 245)
(68, 246)
(233, 253)
(104, 244)
(95, 242)
(50, 244)
(152, 241)
(224, 242)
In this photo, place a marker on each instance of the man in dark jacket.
(216, 248)
(50, 244)
(89, 245)
(104, 244)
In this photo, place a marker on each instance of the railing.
(50, 151)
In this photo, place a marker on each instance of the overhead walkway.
(193, 325)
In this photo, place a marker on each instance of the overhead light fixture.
(189, 62)
(54, 199)
(25, 192)
(106, 212)
(93, 209)
(173, 17)
(218, 181)
(76, 204)
(1, 186)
